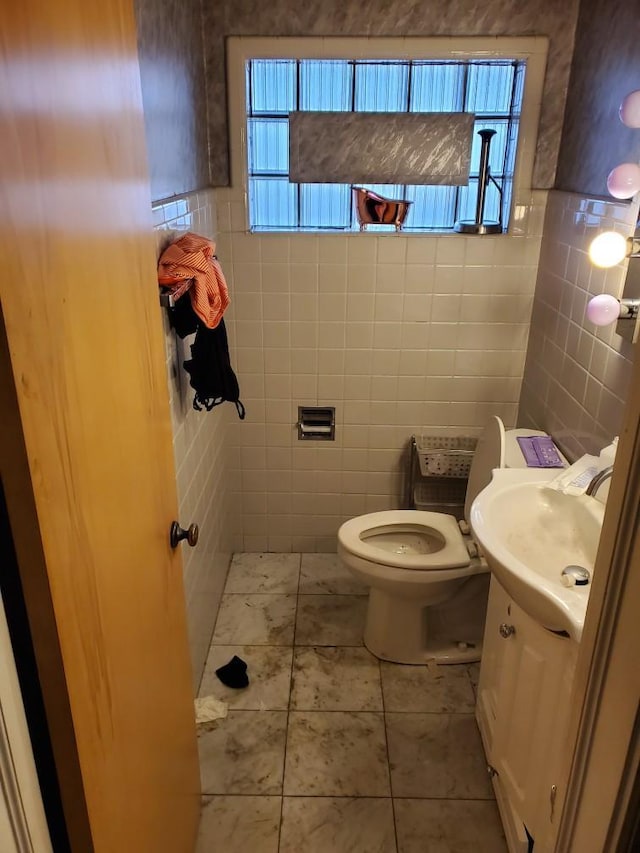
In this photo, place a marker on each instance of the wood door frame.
(23, 517)
(604, 737)
(17, 765)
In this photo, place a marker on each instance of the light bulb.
(603, 310)
(624, 180)
(630, 109)
(608, 249)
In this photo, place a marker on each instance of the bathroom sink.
(529, 533)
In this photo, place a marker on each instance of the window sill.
(371, 232)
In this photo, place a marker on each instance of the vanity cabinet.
(522, 711)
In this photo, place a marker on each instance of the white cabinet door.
(523, 694)
(492, 669)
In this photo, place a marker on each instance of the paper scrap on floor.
(209, 708)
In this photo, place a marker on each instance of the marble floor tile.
(443, 826)
(474, 675)
(336, 754)
(269, 671)
(326, 825)
(251, 573)
(326, 678)
(442, 689)
(330, 620)
(239, 825)
(436, 755)
(326, 574)
(243, 753)
(260, 620)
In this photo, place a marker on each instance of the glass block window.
(491, 89)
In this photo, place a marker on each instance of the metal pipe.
(483, 174)
(477, 226)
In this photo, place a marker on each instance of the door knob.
(177, 534)
(507, 630)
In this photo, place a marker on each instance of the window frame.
(532, 50)
(459, 196)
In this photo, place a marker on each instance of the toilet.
(428, 583)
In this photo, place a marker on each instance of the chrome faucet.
(599, 479)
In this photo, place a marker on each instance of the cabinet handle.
(507, 630)
(491, 771)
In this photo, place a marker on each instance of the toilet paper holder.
(316, 423)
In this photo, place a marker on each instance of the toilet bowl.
(428, 583)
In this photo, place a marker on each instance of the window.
(491, 89)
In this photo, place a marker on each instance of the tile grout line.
(348, 711)
(474, 689)
(286, 735)
(267, 592)
(288, 645)
(386, 740)
(213, 794)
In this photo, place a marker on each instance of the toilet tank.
(496, 448)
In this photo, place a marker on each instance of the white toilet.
(428, 584)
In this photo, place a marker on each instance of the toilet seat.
(430, 540)
(367, 536)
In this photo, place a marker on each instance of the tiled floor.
(330, 750)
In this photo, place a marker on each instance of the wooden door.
(85, 442)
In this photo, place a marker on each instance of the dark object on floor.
(234, 673)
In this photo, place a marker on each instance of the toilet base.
(403, 631)
(441, 653)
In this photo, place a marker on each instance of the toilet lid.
(489, 454)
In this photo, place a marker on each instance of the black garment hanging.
(209, 368)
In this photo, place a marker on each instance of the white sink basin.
(529, 533)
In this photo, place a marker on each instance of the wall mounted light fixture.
(630, 109)
(604, 309)
(624, 180)
(610, 247)
(607, 250)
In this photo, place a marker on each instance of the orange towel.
(193, 257)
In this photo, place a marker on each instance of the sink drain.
(577, 575)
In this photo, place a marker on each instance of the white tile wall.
(201, 453)
(402, 334)
(576, 375)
